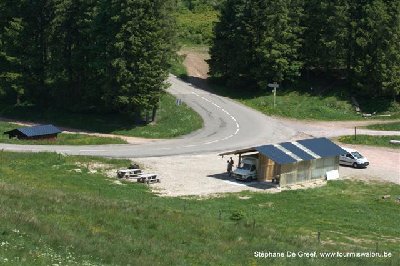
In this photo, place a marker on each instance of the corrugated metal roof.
(275, 154)
(296, 150)
(322, 146)
(39, 130)
(302, 150)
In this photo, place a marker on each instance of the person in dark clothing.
(229, 167)
(231, 161)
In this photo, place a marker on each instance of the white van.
(353, 158)
(247, 170)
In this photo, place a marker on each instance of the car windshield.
(245, 166)
(357, 155)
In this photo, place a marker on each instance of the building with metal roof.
(35, 132)
(295, 162)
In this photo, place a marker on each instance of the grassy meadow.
(172, 120)
(382, 141)
(62, 139)
(308, 104)
(387, 127)
(63, 210)
(196, 27)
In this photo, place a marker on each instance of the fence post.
(355, 133)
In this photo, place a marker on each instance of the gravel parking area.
(384, 165)
(198, 175)
(205, 175)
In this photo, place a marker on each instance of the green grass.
(177, 68)
(196, 27)
(52, 213)
(304, 106)
(172, 120)
(62, 139)
(389, 126)
(382, 141)
(328, 106)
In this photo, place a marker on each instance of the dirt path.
(384, 165)
(195, 62)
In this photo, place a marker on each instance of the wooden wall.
(268, 169)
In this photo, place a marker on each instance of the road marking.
(188, 146)
(91, 150)
(226, 112)
(210, 142)
(228, 137)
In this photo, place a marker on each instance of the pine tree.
(326, 35)
(71, 44)
(375, 64)
(229, 50)
(258, 40)
(140, 54)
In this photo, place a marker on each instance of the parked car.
(353, 158)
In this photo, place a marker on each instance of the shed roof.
(41, 130)
(275, 154)
(290, 152)
(322, 146)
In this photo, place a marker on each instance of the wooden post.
(355, 133)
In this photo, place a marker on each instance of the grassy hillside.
(172, 120)
(63, 210)
(195, 27)
(306, 102)
(195, 21)
(388, 126)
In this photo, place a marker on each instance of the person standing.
(229, 167)
(231, 161)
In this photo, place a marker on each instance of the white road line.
(91, 150)
(226, 112)
(188, 146)
(210, 142)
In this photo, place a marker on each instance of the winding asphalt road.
(227, 126)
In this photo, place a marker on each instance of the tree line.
(263, 41)
(102, 55)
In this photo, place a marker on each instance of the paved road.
(227, 125)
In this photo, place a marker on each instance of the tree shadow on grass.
(317, 85)
(93, 122)
(254, 184)
(217, 86)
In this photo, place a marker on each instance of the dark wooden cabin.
(34, 133)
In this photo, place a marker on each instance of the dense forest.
(260, 41)
(114, 55)
(85, 55)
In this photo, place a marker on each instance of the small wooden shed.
(295, 162)
(34, 133)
